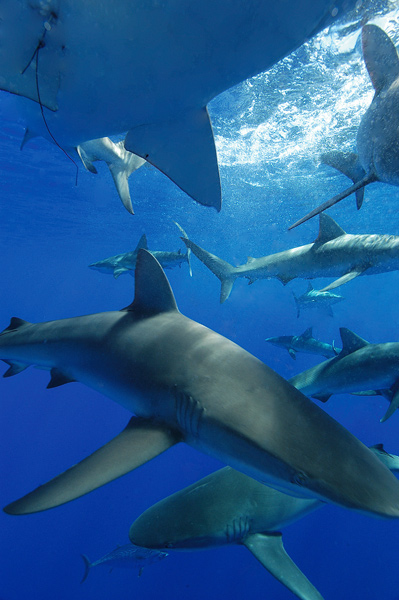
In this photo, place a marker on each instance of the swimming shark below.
(359, 367)
(334, 253)
(377, 140)
(126, 263)
(228, 507)
(184, 382)
(147, 68)
(127, 556)
(304, 343)
(316, 299)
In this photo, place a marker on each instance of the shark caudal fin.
(139, 442)
(184, 150)
(270, 552)
(222, 269)
(87, 567)
(184, 234)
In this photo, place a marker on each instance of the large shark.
(228, 507)
(126, 263)
(359, 367)
(184, 382)
(148, 68)
(303, 343)
(334, 253)
(377, 140)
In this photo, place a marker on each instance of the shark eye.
(299, 478)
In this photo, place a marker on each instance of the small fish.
(316, 299)
(127, 556)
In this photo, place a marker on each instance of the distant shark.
(147, 68)
(127, 556)
(334, 253)
(378, 134)
(359, 367)
(184, 382)
(304, 343)
(316, 299)
(228, 507)
(126, 263)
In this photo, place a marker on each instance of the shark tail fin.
(87, 564)
(350, 190)
(222, 269)
(184, 234)
(270, 552)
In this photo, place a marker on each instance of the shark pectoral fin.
(138, 443)
(394, 401)
(344, 279)
(183, 149)
(118, 271)
(291, 352)
(270, 552)
(14, 368)
(321, 397)
(58, 378)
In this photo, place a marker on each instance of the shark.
(228, 507)
(126, 556)
(304, 343)
(126, 263)
(359, 367)
(185, 382)
(83, 71)
(377, 140)
(334, 253)
(316, 299)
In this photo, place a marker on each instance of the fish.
(316, 299)
(126, 556)
(304, 343)
(126, 263)
(360, 366)
(228, 507)
(377, 139)
(185, 382)
(148, 69)
(334, 253)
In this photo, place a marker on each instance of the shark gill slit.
(237, 530)
(189, 412)
(35, 57)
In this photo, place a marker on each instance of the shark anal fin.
(270, 552)
(138, 443)
(58, 378)
(344, 279)
(14, 368)
(183, 149)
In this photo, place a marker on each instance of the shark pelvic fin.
(14, 368)
(380, 57)
(58, 378)
(328, 229)
(344, 279)
(153, 293)
(138, 443)
(15, 323)
(270, 552)
(118, 271)
(183, 149)
(350, 341)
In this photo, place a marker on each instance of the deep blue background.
(51, 231)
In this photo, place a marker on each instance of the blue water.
(269, 132)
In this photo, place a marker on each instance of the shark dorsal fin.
(350, 341)
(328, 229)
(15, 323)
(142, 243)
(153, 293)
(307, 334)
(380, 57)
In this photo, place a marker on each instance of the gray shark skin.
(316, 299)
(127, 556)
(184, 382)
(149, 69)
(126, 263)
(228, 507)
(334, 253)
(359, 367)
(377, 138)
(304, 343)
